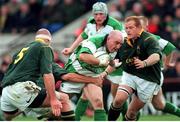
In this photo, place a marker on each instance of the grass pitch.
(165, 117)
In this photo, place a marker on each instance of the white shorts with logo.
(115, 79)
(74, 87)
(71, 87)
(144, 88)
(19, 96)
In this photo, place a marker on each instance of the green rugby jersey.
(57, 73)
(165, 46)
(109, 25)
(91, 46)
(141, 48)
(29, 64)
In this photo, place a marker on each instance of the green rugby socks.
(172, 109)
(81, 108)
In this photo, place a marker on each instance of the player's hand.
(115, 63)
(104, 61)
(138, 63)
(98, 81)
(103, 75)
(56, 107)
(66, 51)
(170, 65)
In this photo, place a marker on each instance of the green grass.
(147, 118)
(166, 117)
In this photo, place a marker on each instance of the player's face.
(99, 18)
(113, 44)
(131, 30)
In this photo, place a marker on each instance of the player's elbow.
(156, 57)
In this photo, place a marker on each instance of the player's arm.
(89, 59)
(49, 82)
(92, 60)
(73, 77)
(76, 43)
(154, 52)
(68, 51)
(169, 50)
(49, 85)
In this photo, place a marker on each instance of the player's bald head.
(114, 41)
(43, 34)
(116, 35)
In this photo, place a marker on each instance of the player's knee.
(98, 103)
(64, 98)
(118, 102)
(158, 105)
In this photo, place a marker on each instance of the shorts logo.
(29, 99)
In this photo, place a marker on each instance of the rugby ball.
(102, 55)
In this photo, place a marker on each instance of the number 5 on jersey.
(20, 55)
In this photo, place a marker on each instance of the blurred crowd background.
(26, 16)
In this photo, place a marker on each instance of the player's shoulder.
(91, 20)
(114, 23)
(97, 39)
(146, 36)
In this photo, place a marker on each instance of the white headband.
(44, 36)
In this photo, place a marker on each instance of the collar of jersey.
(129, 41)
(40, 40)
(140, 32)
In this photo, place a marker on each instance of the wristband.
(145, 63)
(106, 72)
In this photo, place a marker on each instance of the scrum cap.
(44, 34)
(100, 7)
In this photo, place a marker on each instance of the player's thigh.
(83, 96)
(115, 79)
(72, 88)
(114, 88)
(122, 95)
(125, 88)
(146, 89)
(93, 93)
(158, 100)
(136, 104)
(63, 97)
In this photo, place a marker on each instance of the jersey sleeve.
(46, 60)
(83, 34)
(58, 71)
(169, 48)
(162, 43)
(152, 46)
